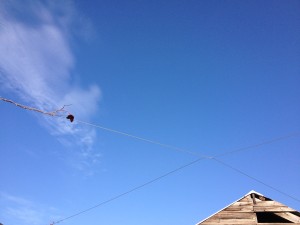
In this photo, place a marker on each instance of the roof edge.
(253, 192)
(249, 193)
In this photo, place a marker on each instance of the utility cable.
(183, 167)
(57, 113)
(143, 139)
(259, 144)
(216, 157)
(71, 117)
(255, 179)
(131, 190)
(188, 151)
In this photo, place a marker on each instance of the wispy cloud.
(37, 63)
(18, 210)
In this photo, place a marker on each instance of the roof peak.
(253, 192)
(257, 207)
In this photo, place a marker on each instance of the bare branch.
(53, 113)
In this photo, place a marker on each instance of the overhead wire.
(280, 138)
(210, 157)
(185, 166)
(255, 179)
(143, 139)
(54, 114)
(62, 110)
(131, 190)
(215, 157)
(172, 147)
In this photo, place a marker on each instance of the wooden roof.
(253, 209)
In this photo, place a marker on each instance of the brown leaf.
(70, 117)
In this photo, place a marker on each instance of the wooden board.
(244, 212)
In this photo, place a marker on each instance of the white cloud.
(83, 101)
(15, 199)
(36, 63)
(26, 215)
(23, 211)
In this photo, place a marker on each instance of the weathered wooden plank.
(269, 203)
(248, 223)
(243, 212)
(253, 198)
(246, 199)
(289, 216)
(229, 221)
(272, 209)
(240, 208)
(278, 223)
(236, 220)
(242, 204)
(235, 215)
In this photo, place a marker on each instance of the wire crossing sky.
(209, 76)
(180, 168)
(166, 146)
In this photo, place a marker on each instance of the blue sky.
(205, 76)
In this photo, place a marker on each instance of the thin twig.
(53, 113)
